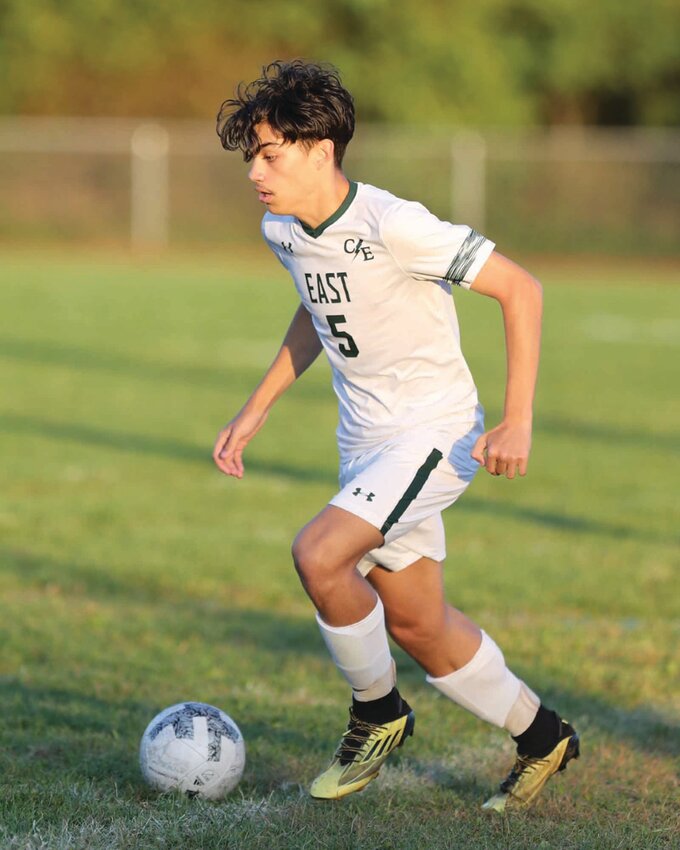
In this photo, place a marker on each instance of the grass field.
(133, 575)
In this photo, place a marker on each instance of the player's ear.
(324, 152)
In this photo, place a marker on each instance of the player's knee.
(300, 556)
(317, 581)
(308, 559)
(318, 571)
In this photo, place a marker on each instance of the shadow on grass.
(104, 582)
(48, 354)
(154, 446)
(59, 733)
(114, 363)
(602, 432)
(560, 521)
(178, 450)
(644, 727)
(183, 614)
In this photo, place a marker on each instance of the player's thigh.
(413, 597)
(334, 539)
(417, 613)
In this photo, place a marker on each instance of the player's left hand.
(504, 450)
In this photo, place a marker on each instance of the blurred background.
(550, 125)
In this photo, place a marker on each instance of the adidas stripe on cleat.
(361, 753)
(529, 774)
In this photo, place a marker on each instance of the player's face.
(285, 174)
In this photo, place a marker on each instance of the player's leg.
(326, 552)
(436, 635)
(351, 618)
(349, 613)
(464, 664)
(383, 487)
(460, 659)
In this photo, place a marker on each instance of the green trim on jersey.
(315, 232)
(412, 490)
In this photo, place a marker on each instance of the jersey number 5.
(348, 347)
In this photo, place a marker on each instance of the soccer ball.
(194, 748)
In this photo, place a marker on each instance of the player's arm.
(505, 449)
(300, 348)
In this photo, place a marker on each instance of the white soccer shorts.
(402, 486)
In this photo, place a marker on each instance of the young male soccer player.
(374, 276)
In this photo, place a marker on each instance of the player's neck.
(322, 204)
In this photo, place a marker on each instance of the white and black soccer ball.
(194, 748)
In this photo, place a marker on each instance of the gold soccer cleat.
(361, 753)
(529, 774)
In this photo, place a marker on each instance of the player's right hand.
(232, 440)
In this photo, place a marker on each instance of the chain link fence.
(153, 184)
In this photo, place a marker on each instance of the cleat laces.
(354, 739)
(522, 766)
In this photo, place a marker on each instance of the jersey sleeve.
(427, 248)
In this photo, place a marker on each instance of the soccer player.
(374, 274)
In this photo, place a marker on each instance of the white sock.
(380, 688)
(361, 653)
(523, 712)
(489, 690)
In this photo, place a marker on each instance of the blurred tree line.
(484, 62)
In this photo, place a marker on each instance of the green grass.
(134, 575)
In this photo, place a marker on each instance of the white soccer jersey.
(376, 277)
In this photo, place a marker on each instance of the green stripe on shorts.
(412, 490)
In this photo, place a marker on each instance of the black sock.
(542, 736)
(381, 710)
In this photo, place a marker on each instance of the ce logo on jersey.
(356, 247)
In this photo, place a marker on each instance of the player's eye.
(269, 157)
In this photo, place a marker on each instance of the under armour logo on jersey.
(287, 247)
(356, 247)
(369, 496)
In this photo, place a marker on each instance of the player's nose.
(255, 172)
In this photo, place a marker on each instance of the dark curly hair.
(300, 101)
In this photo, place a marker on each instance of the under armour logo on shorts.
(369, 496)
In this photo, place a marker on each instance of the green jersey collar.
(315, 232)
